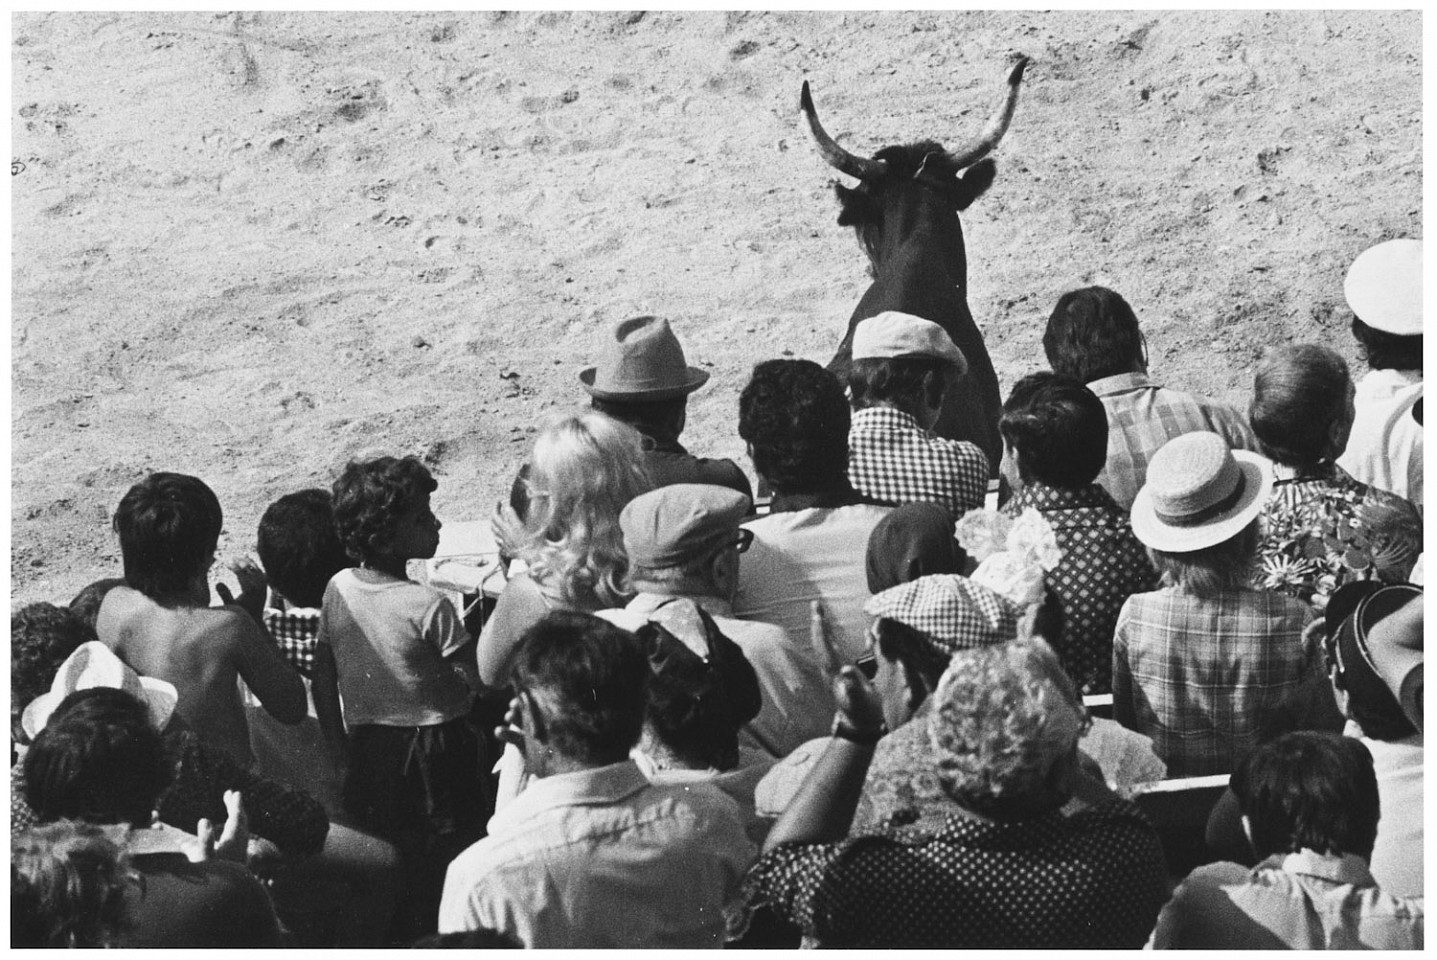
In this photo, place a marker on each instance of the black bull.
(905, 212)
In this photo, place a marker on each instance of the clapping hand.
(232, 842)
(859, 703)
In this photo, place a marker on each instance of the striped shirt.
(1197, 675)
(1143, 416)
(891, 458)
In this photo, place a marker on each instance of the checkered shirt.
(1197, 674)
(294, 631)
(1103, 564)
(1143, 416)
(956, 612)
(891, 458)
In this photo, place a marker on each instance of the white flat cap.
(1384, 287)
(892, 334)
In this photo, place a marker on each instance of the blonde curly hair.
(1005, 715)
(584, 468)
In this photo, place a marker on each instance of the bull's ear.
(853, 205)
(973, 182)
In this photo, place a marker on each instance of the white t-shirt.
(1397, 856)
(1385, 447)
(390, 639)
(799, 556)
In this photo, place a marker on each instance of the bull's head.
(960, 175)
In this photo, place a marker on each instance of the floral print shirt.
(1324, 529)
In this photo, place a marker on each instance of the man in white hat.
(1384, 290)
(902, 367)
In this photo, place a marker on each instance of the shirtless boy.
(162, 625)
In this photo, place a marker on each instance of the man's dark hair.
(299, 546)
(86, 603)
(370, 495)
(656, 419)
(1058, 428)
(98, 759)
(907, 383)
(42, 636)
(1297, 394)
(169, 525)
(795, 417)
(1388, 351)
(594, 674)
(67, 887)
(923, 656)
(1311, 789)
(1092, 333)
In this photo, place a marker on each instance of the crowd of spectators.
(883, 704)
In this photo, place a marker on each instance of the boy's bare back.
(202, 650)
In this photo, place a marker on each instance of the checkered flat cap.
(956, 612)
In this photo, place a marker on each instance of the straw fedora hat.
(1199, 493)
(642, 361)
(94, 665)
(1384, 287)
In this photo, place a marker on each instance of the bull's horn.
(837, 157)
(997, 124)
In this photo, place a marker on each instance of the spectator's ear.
(1247, 832)
(723, 571)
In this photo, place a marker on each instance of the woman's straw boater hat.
(1384, 287)
(642, 361)
(1199, 493)
(94, 665)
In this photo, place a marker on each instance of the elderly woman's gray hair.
(1298, 393)
(1005, 729)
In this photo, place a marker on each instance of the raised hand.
(821, 640)
(253, 587)
(507, 528)
(512, 731)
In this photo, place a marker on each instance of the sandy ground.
(248, 246)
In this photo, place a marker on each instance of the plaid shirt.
(1089, 880)
(1198, 675)
(891, 458)
(294, 631)
(1143, 416)
(1103, 564)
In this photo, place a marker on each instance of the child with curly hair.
(390, 648)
